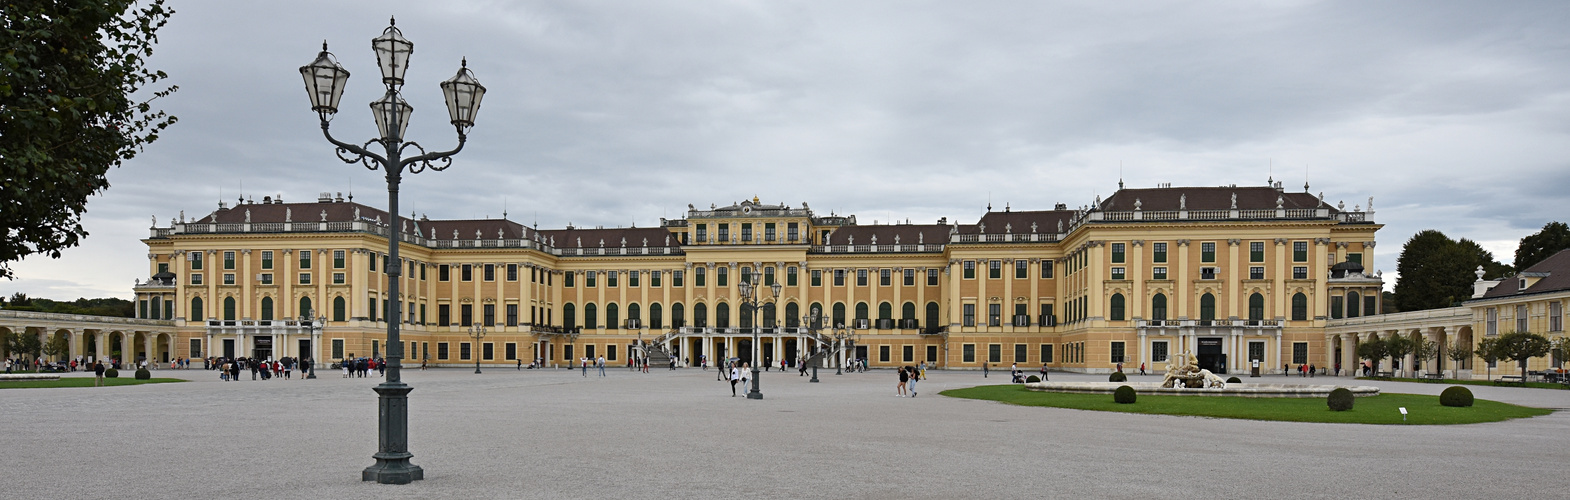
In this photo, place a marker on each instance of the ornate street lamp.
(316, 334)
(812, 320)
(476, 332)
(750, 300)
(324, 83)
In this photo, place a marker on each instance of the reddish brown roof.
(591, 238)
(1208, 198)
(1553, 275)
(262, 213)
(906, 234)
(1045, 221)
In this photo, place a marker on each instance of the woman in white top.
(735, 376)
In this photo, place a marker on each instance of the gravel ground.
(673, 434)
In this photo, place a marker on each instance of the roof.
(330, 211)
(1556, 277)
(1038, 221)
(631, 237)
(896, 234)
(1208, 198)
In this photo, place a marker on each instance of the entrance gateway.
(1211, 356)
(264, 347)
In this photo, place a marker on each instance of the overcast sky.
(1452, 116)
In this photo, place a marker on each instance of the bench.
(29, 376)
(1433, 377)
(1384, 375)
(1509, 379)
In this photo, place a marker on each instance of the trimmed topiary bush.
(1124, 395)
(143, 374)
(1456, 396)
(111, 373)
(1234, 380)
(1117, 377)
(1340, 399)
(1032, 379)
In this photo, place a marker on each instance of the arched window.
(305, 308)
(267, 308)
(839, 314)
(908, 311)
(1207, 309)
(634, 312)
(591, 316)
(861, 310)
(745, 310)
(1299, 307)
(769, 315)
(792, 315)
(655, 317)
(1352, 303)
(1256, 308)
(932, 315)
(196, 310)
(1335, 306)
(340, 309)
(1158, 307)
(612, 316)
(1116, 314)
(700, 315)
(722, 314)
(885, 311)
(569, 315)
(228, 308)
(678, 315)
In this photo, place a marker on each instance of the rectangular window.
(1556, 316)
(569, 279)
(654, 279)
(969, 353)
(441, 350)
(932, 277)
(512, 272)
(228, 278)
(1020, 353)
(443, 273)
(970, 269)
(677, 277)
(725, 233)
(1118, 273)
(1158, 273)
(994, 314)
(1207, 273)
(633, 278)
(995, 269)
(908, 354)
(267, 259)
(1300, 272)
(1256, 251)
(1117, 352)
(465, 350)
(910, 277)
(338, 259)
(768, 231)
(1520, 318)
(338, 349)
(196, 278)
(512, 315)
(196, 261)
(467, 273)
(512, 351)
(1021, 269)
(1256, 351)
(443, 314)
(817, 277)
(1159, 252)
(703, 232)
(488, 316)
(932, 354)
(1256, 272)
(338, 278)
(373, 262)
(1046, 353)
(466, 315)
(228, 260)
(1158, 351)
(591, 279)
(746, 231)
(970, 314)
(722, 277)
(884, 278)
(791, 231)
(768, 276)
(611, 279)
(699, 275)
(994, 353)
(1117, 253)
(1356, 258)
(305, 259)
(883, 353)
(266, 278)
(422, 272)
(790, 276)
(861, 277)
(1046, 269)
(610, 352)
(839, 277)
(1207, 251)
(1299, 352)
(1300, 251)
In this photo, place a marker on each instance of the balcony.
(1248, 326)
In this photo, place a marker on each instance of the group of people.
(261, 369)
(361, 367)
(908, 376)
(1302, 370)
(738, 373)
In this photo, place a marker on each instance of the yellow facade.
(1144, 272)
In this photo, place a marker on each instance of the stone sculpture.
(1181, 370)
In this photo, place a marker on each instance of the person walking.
(584, 363)
(1311, 369)
(915, 376)
(745, 377)
(98, 373)
(1141, 369)
(1043, 372)
(734, 377)
(904, 378)
(984, 370)
(601, 363)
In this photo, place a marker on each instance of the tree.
(56, 346)
(1398, 346)
(1374, 351)
(1437, 272)
(1521, 346)
(1535, 247)
(1561, 349)
(1488, 349)
(26, 344)
(1459, 353)
(1425, 350)
(68, 72)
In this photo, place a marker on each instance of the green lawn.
(1533, 385)
(79, 382)
(1381, 409)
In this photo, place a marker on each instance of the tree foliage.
(70, 72)
(1374, 351)
(1554, 236)
(1459, 353)
(1488, 350)
(1436, 271)
(1521, 346)
(26, 344)
(111, 306)
(1398, 346)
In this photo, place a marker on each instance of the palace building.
(1233, 274)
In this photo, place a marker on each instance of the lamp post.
(476, 332)
(324, 82)
(749, 299)
(316, 333)
(812, 320)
